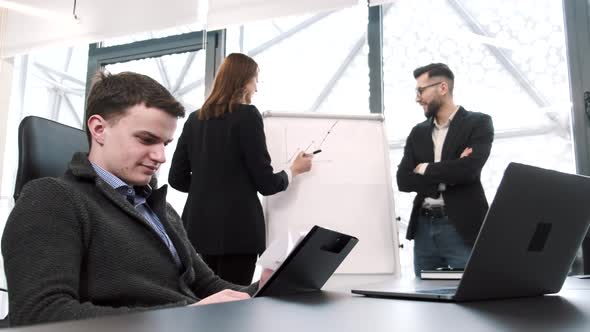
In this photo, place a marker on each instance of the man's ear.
(444, 87)
(96, 126)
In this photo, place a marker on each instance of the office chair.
(45, 148)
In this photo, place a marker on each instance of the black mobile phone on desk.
(310, 264)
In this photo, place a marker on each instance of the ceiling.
(100, 20)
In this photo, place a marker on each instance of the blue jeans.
(437, 244)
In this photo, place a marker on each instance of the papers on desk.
(441, 274)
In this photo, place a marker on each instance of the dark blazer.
(223, 163)
(464, 196)
(74, 248)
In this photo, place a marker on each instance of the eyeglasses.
(421, 89)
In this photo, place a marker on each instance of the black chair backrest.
(45, 148)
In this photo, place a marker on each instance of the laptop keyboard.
(442, 291)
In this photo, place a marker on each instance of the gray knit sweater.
(75, 248)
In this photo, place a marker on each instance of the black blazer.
(223, 163)
(464, 196)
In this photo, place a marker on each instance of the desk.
(340, 311)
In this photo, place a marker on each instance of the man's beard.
(432, 108)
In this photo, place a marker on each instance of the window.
(49, 83)
(310, 63)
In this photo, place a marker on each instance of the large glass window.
(309, 63)
(49, 83)
(509, 61)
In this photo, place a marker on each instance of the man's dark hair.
(111, 95)
(437, 70)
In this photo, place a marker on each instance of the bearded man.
(442, 163)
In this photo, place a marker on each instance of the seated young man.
(101, 239)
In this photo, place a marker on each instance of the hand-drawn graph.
(312, 146)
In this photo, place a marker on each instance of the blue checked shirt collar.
(120, 186)
(139, 203)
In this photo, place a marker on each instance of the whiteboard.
(349, 188)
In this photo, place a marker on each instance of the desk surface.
(341, 311)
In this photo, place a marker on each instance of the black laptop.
(526, 244)
(310, 264)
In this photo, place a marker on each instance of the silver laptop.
(527, 242)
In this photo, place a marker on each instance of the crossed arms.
(464, 169)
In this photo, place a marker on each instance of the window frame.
(214, 46)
